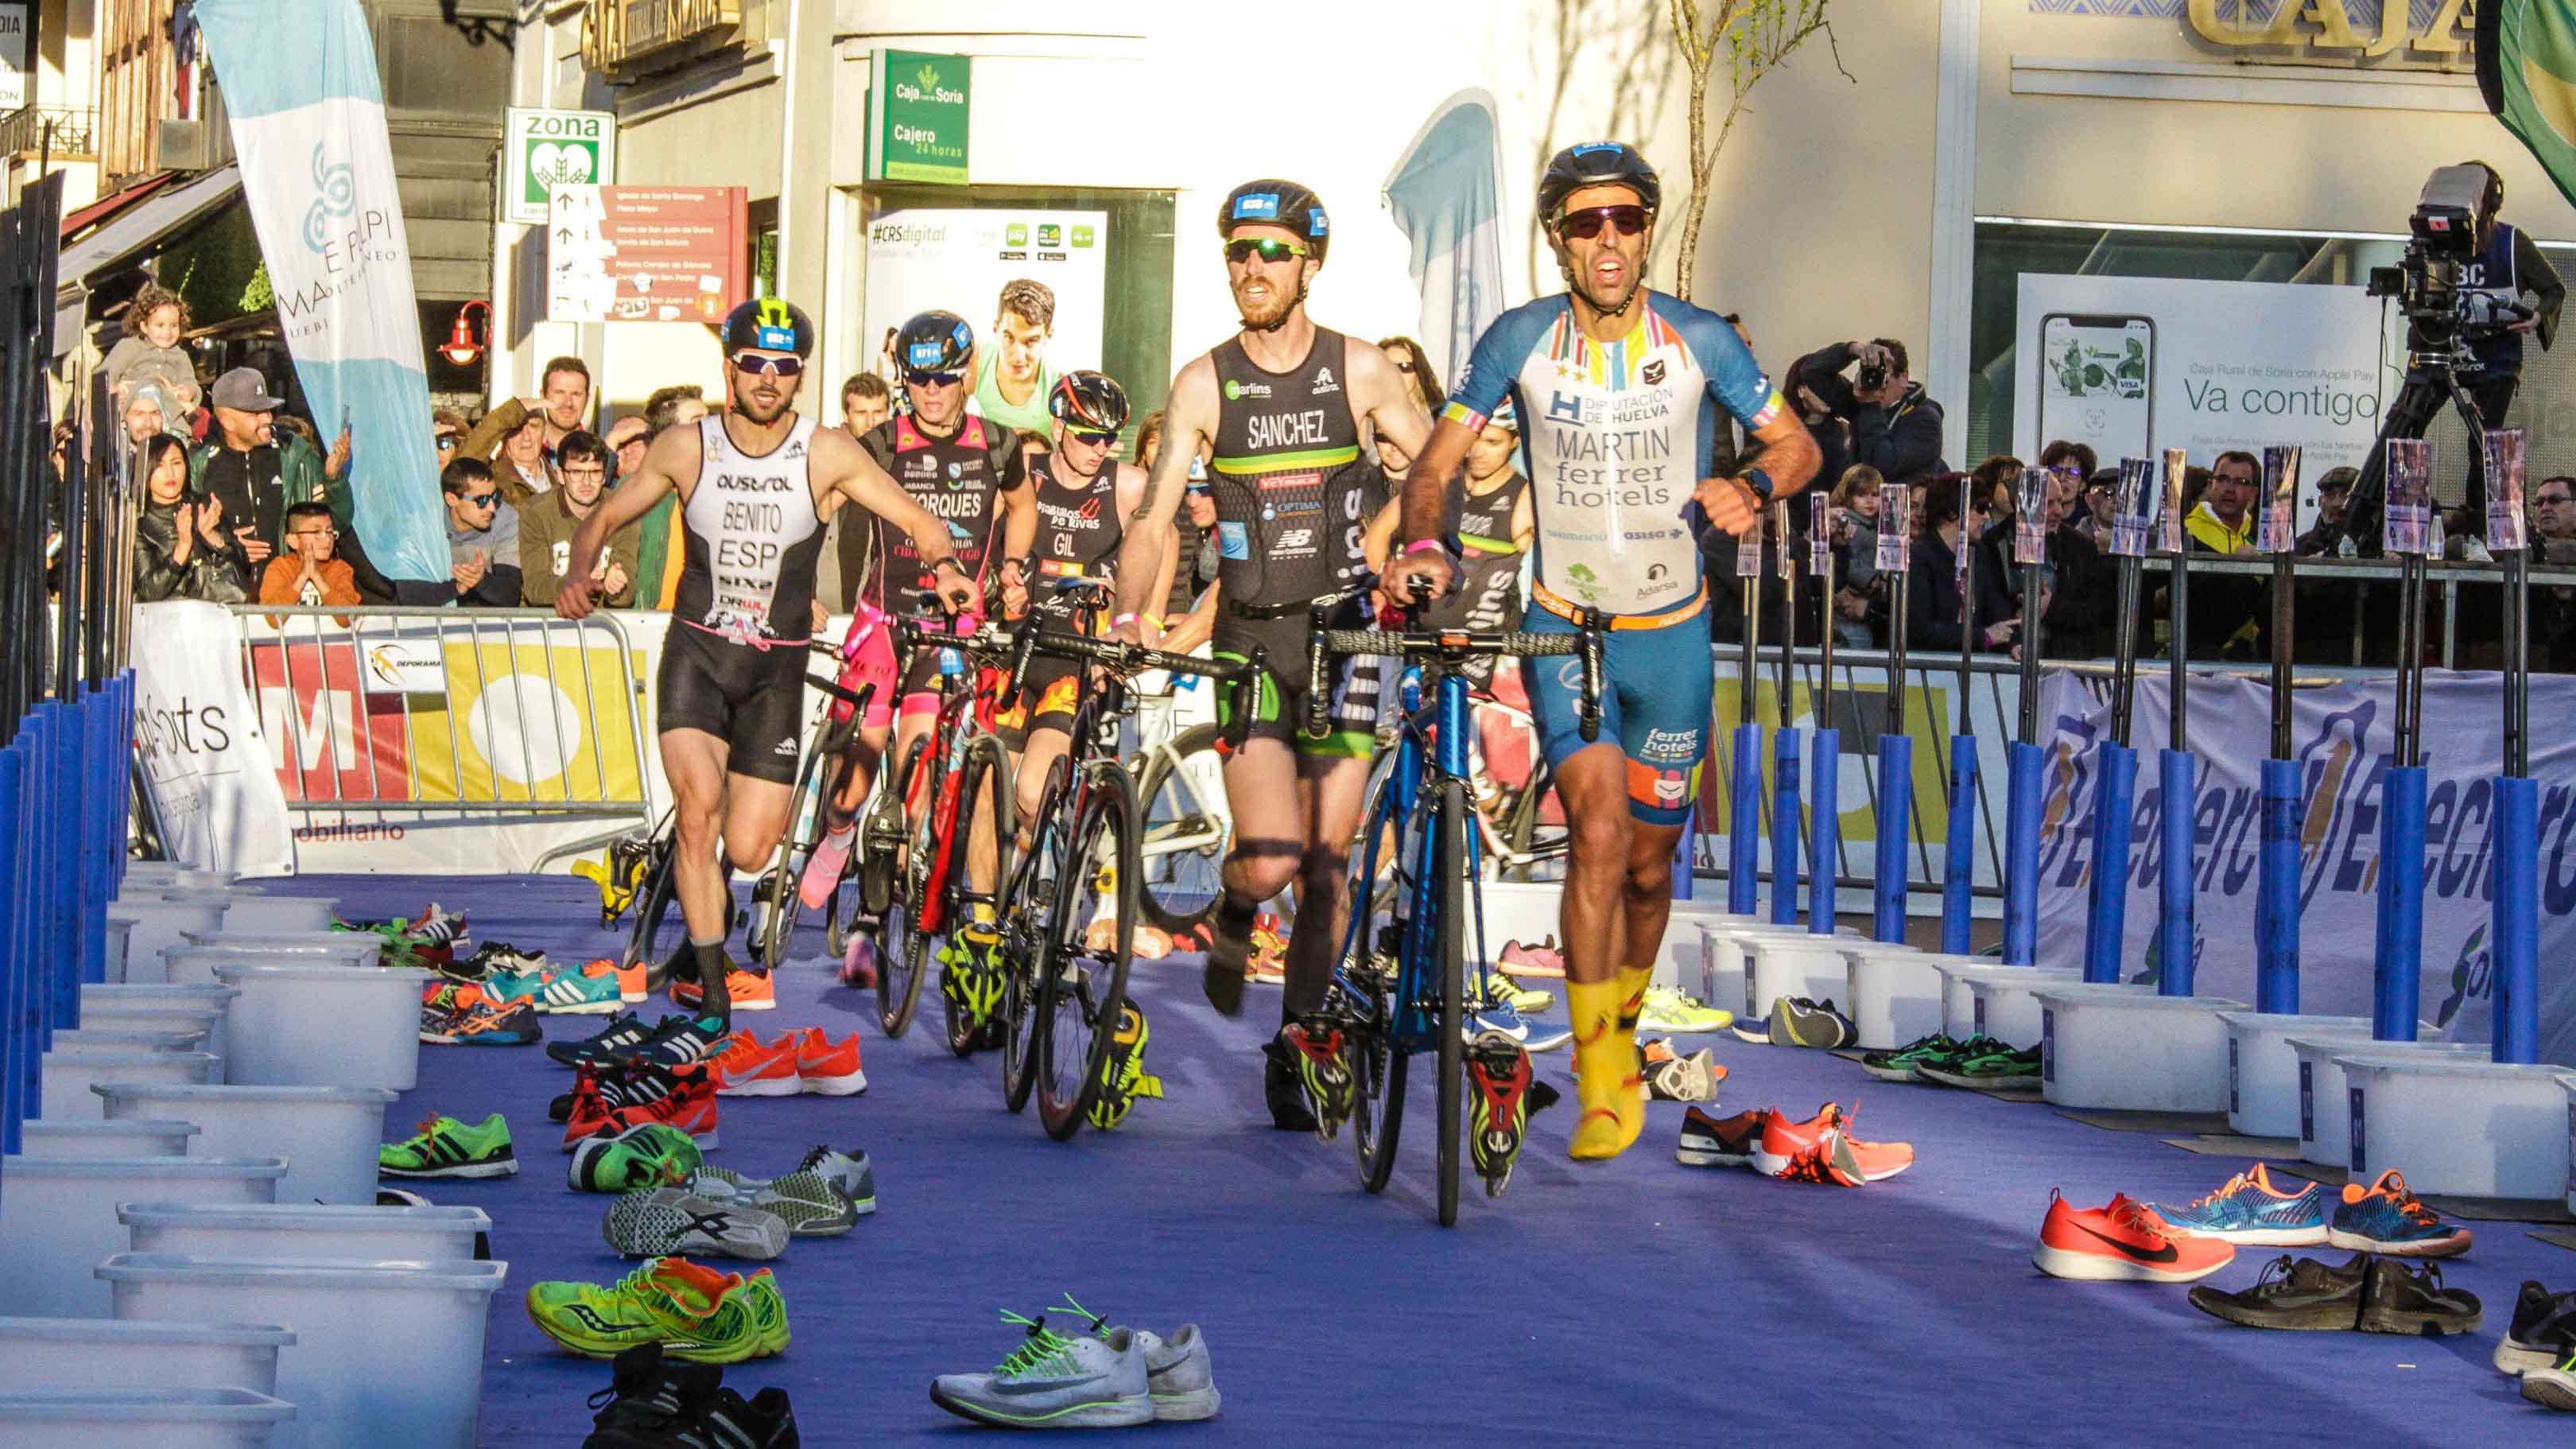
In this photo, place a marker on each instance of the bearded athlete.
(1618, 390)
(1282, 404)
(756, 485)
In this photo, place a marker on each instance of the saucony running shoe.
(695, 1313)
(656, 1222)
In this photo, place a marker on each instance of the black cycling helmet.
(769, 324)
(934, 342)
(1277, 203)
(1090, 401)
(1595, 163)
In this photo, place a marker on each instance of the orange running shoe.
(686, 1100)
(748, 991)
(745, 1068)
(826, 1067)
(2122, 1241)
(1878, 1161)
(1783, 1138)
(630, 983)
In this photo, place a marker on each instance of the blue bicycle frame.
(1431, 743)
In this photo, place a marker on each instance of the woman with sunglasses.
(1618, 390)
(756, 484)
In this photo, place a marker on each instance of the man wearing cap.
(257, 472)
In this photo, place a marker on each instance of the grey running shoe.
(1180, 1375)
(1796, 1021)
(1054, 1382)
(671, 1221)
(1684, 1079)
(809, 1204)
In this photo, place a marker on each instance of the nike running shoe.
(2122, 1241)
(1051, 1381)
(848, 1173)
(645, 1155)
(2249, 1211)
(1315, 1049)
(746, 990)
(822, 873)
(1542, 962)
(1692, 1078)
(1123, 1078)
(1898, 1064)
(2293, 1293)
(2542, 1334)
(1720, 1142)
(1824, 1144)
(623, 1032)
(1495, 1016)
(1668, 1010)
(744, 1067)
(695, 1313)
(809, 1204)
(1180, 1375)
(2387, 1217)
(828, 1068)
(1797, 1021)
(1988, 1065)
(1546, 1036)
(446, 1147)
(1498, 1107)
(658, 1222)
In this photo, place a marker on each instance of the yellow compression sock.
(1632, 995)
(1609, 1082)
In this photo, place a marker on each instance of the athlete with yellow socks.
(1617, 389)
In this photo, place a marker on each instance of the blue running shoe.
(589, 990)
(2250, 1210)
(1496, 1015)
(2387, 1217)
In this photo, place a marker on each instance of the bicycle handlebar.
(1123, 657)
(1448, 646)
(856, 699)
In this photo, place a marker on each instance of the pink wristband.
(1421, 544)
(1122, 621)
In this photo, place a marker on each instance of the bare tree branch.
(1753, 37)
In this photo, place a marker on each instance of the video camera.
(2453, 222)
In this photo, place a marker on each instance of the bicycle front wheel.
(1449, 807)
(1042, 874)
(1082, 966)
(776, 902)
(1180, 797)
(1369, 975)
(899, 944)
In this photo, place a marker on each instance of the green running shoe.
(445, 1147)
(695, 1313)
(768, 1309)
(1897, 1064)
(1997, 1068)
(645, 1155)
(1668, 1010)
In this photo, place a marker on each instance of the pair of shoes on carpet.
(2386, 1217)
(1767, 1140)
(654, 1401)
(1103, 1378)
(805, 1060)
(691, 1312)
(2370, 1293)
(1982, 1063)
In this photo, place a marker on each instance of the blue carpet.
(1607, 1304)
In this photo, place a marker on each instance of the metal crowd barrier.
(346, 751)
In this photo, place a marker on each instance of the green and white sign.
(543, 149)
(917, 109)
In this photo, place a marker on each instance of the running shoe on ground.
(1123, 1078)
(822, 873)
(679, 1042)
(768, 1309)
(1527, 1000)
(746, 1067)
(1898, 1064)
(1541, 962)
(694, 1313)
(747, 990)
(656, 1222)
(1996, 1068)
(764, 1421)
(645, 1155)
(809, 1204)
(1692, 1078)
(1051, 1381)
(849, 1174)
(1823, 1148)
(2542, 1334)
(2299, 1294)
(1667, 1009)
(2409, 1299)
(2387, 1217)
(651, 1400)
(2122, 1241)
(1546, 1035)
(859, 961)
(2251, 1212)
(1720, 1142)
(688, 1103)
(1494, 1016)
(446, 1147)
(1756, 1032)
(614, 1085)
(1267, 962)
(1784, 1138)
(586, 990)
(828, 1068)
(634, 983)
(621, 1033)
(1180, 1375)
(1316, 1052)
(482, 1025)
(2552, 1388)
(1797, 1021)
(399, 1197)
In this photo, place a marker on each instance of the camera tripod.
(2432, 378)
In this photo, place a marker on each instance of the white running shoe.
(1054, 1382)
(1180, 1375)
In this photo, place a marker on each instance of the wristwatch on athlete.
(1758, 483)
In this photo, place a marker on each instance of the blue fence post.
(1824, 830)
(122, 788)
(2177, 774)
(15, 1054)
(24, 920)
(2397, 963)
(1744, 826)
(2276, 916)
(1787, 759)
(1959, 863)
(1895, 823)
(2516, 933)
(62, 851)
(2023, 765)
(2115, 797)
(91, 863)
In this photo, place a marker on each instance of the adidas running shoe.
(645, 1155)
(695, 1313)
(1898, 1064)
(680, 1041)
(586, 990)
(1123, 1077)
(1315, 1050)
(446, 1147)
(623, 1032)
(660, 1221)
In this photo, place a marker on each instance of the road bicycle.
(776, 904)
(1399, 982)
(1072, 902)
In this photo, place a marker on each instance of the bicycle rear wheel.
(1448, 881)
(1082, 989)
(899, 945)
(1186, 829)
(660, 928)
(1369, 976)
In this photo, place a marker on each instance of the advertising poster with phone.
(2136, 365)
(958, 259)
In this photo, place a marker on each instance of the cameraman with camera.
(1895, 426)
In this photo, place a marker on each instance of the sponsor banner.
(959, 259)
(198, 738)
(2340, 739)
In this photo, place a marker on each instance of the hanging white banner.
(197, 734)
(2340, 737)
